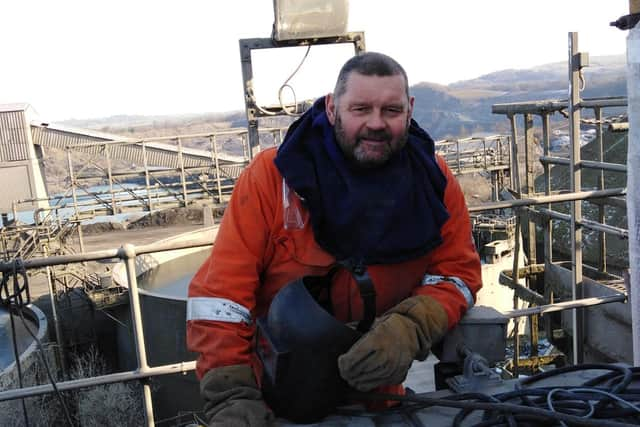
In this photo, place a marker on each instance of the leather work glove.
(232, 398)
(384, 355)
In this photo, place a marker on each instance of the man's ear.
(411, 100)
(330, 108)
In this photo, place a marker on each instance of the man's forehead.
(392, 87)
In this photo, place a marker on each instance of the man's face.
(371, 118)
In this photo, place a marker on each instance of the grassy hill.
(456, 110)
(446, 111)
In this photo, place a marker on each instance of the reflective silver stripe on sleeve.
(222, 309)
(432, 279)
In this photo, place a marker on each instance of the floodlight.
(309, 19)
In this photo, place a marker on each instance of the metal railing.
(530, 198)
(128, 254)
(532, 206)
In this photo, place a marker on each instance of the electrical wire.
(281, 89)
(8, 300)
(48, 370)
(573, 392)
(624, 374)
(604, 401)
(569, 395)
(16, 355)
(286, 84)
(18, 301)
(542, 415)
(583, 83)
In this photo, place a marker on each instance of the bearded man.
(356, 200)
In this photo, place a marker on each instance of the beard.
(363, 156)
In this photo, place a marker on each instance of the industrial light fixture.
(309, 19)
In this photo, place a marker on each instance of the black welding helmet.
(299, 342)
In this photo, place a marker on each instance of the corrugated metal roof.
(157, 153)
(71, 130)
(14, 137)
(16, 106)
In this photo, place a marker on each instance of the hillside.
(446, 111)
(464, 108)
(456, 110)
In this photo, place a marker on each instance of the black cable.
(16, 355)
(627, 373)
(478, 396)
(611, 377)
(17, 301)
(8, 300)
(47, 369)
(502, 406)
(520, 419)
(625, 380)
(575, 405)
(537, 397)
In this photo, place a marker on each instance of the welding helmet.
(299, 342)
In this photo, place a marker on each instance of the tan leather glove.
(232, 398)
(384, 355)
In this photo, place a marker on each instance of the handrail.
(128, 254)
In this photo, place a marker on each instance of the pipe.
(575, 184)
(555, 198)
(633, 178)
(579, 303)
(138, 334)
(39, 390)
(202, 240)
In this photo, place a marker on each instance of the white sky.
(84, 58)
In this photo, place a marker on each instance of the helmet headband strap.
(367, 291)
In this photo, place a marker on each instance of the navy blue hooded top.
(386, 214)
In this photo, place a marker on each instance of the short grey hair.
(369, 64)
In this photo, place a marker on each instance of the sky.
(86, 58)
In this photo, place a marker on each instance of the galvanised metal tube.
(554, 160)
(63, 259)
(128, 253)
(608, 101)
(552, 105)
(214, 150)
(593, 225)
(575, 184)
(615, 167)
(138, 333)
(633, 179)
(540, 200)
(117, 377)
(108, 253)
(602, 237)
(549, 308)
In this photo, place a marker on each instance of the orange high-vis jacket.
(255, 255)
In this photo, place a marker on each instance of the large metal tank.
(163, 280)
(27, 347)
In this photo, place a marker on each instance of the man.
(355, 182)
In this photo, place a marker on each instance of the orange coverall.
(255, 255)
